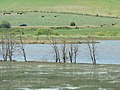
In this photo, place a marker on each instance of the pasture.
(53, 76)
(56, 19)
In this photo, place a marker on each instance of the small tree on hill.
(72, 24)
(5, 24)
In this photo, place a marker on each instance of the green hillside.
(103, 7)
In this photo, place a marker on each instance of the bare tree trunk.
(94, 57)
(75, 52)
(92, 51)
(56, 49)
(64, 52)
(71, 53)
(3, 49)
(23, 49)
(11, 44)
(58, 55)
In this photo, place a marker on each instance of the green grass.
(105, 31)
(81, 33)
(33, 75)
(49, 19)
(105, 7)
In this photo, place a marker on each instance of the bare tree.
(22, 47)
(4, 49)
(56, 49)
(11, 46)
(92, 50)
(8, 46)
(64, 51)
(71, 53)
(75, 52)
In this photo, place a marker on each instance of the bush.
(5, 24)
(100, 34)
(72, 24)
(46, 32)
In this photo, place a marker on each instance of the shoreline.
(61, 63)
(83, 41)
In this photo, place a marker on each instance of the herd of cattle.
(9, 13)
(21, 13)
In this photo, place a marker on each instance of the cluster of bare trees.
(68, 52)
(11, 44)
(64, 52)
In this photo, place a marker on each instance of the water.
(107, 52)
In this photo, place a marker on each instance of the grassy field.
(56, 19)
(104, 7)
(105, 31)
(33, 16)
(51, 76)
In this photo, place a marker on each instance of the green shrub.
(46, 32)
(5, 24)
(100, 34)
(72, 24)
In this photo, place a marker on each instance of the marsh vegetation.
(38, 76)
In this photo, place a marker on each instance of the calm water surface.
(108, 52)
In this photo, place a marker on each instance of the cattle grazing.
(6, 13)
(55, 15)
(102, 25)
(113, 24)
(20, 13)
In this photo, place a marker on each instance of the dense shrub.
(72, 24)
(100, 33)
(45, 32)
(5, 24)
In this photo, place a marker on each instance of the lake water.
(107, 52)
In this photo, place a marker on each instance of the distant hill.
(103, 7)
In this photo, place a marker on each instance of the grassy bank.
(34, 75)
(39, 35)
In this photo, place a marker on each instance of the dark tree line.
(5, 24)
